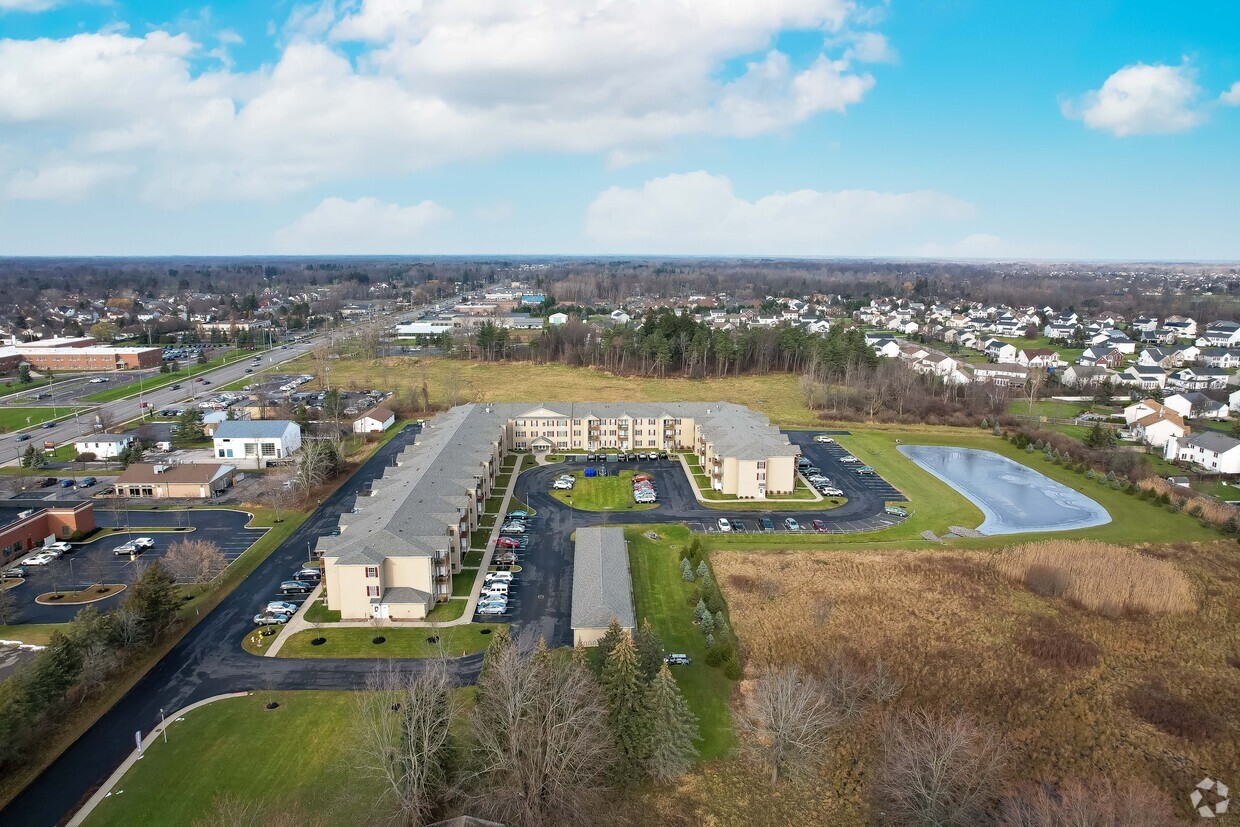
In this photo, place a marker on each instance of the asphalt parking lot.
(90, 562)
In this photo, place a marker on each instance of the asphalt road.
(209, 661)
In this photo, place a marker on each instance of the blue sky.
(941, 128)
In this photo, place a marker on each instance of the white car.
(828, 491)
(724, 525)
(849, 459)
(60, 547)
(143, 543)
(97, 380)
(823, 439)
(43, 558)
(562, 485)
(502, 576)
(280, 607)
(493, 609)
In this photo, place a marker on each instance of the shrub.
(1100, 577)
(686, 570)
(714, 656)
(85, 456)
(732, 667)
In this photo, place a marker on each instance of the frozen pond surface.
(1014, 497)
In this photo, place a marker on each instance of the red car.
(818, 525)
(506, 542)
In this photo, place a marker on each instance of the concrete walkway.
(298, 622)
(697, 492)
(114, 779)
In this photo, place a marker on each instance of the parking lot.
(93, 561)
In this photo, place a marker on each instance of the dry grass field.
(1077, 693)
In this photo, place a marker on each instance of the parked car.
(866, 470)
(492, 608)
(678, 659)
(504, 576)
(823, 439)
(264, 619)
(47, 481)
(813, 469)
(66, 483)
(562, 485)
(87, 482)
(13, 571)
(42, 558)
(280, 607)
(724, 525)
(518, 513)
(505, 559)
(766, 524)
(308, 575)
(61, 547)
(849, 459)
(295, 587)
(818, 525)
(126, 548)
(791, 524)
(663, 455)
(143, 543)
(829, 491)
(737, 525)
(895, 511)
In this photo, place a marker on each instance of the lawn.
(406, 642)
(37, 633)
(776, 395)
(160, 380)
(611, 493)
(14, 419)
(451, 610)
(660, 595)
(463, 582)
(1056, 408)
(319, 613)
(238, 747)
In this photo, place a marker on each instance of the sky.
(992, 129)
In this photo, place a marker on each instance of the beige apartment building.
(394, 557)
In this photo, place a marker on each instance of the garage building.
(602, 586)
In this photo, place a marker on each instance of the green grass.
(611, 493)
(14, 419)
(463, 582)
(451, 610)
(37, 633)
(473, 559)
(237, 747)
(160, 380)
(478, 537)
(319, 613)
(660, 595)
(1056, 408)
(407, 642)
(14, 387)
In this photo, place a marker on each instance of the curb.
(105, 789)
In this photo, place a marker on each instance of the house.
(1209, 450)
(186, 480)
(1002, 373)
(376, 420)
(1195, 405)
(260, 440)
(104, 446)
(1163, 357)
(887, 347)
(1101, 356)
(1233, 400)
(620, 317)
(1144, 377)
(1196, 378)
(1085, 376)
(999, 351)
(1221, 334)
(1137, 410)
(1038, 357)
(1183, 328)
(602, 585)
(1215, 357)
(557, 319)
(1156, 428)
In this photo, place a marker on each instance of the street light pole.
(162, 725)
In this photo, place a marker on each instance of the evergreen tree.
(702, 569)
(686, 570)
(23, 373)
(189, 425)
(581, 657)
(649, 651)
(33, 458)
(153, 596)
(707, 622)
(700, 611)
(623, 687)
(673, 729)
(722, 628)
(607, 642)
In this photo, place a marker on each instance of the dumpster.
(590, 472)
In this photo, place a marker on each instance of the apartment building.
(395, 556)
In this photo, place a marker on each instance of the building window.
(372, 571)
(372, 591)
(269, 449)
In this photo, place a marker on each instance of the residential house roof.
(602, 588)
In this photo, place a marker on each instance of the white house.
(620, 317)
(104, 446)
(1198, 379)
(1001, 373)
(1038, 357)
(1195, 405)
(1144, 377)
(258, 440)
(375, 420)
(1221, 334)
(1084, 376)
(1209, 450)
(1216, 357)
(1156, 428)
(1139, 410)
(1000, 351)
(557, 319)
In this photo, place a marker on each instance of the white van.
(498, 577)
(163, 446)
(496, 588)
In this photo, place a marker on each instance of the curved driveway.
(209, 661)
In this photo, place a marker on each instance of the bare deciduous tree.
(195, 561)
(1096, 802)
(404, 722)
(939, 769)
(787, 720)
(233, 811)
(8, 607)
(541, 751)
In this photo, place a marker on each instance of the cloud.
(700, 213)
(386, 87)
(1141, 99)
(61, 182)
(27, 5)
(364, 226)
(1232, 96)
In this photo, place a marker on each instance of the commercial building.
(602, 585)
(182, 481)
(77, 354)
(104, 446)
(394, 557)
(25, 526)
(257, 440)
(375, 420)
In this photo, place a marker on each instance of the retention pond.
(1014, 497)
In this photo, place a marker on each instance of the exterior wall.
(413, 572)
(346, 589)
(176, 490)
(77, 358)
(20, 538)
(101, 449)
(591, 635)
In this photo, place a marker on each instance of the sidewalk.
(298, 622)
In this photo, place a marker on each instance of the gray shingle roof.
(252, 429)
(1213, 441)
(602, 588)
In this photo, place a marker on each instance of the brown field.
(1076, 693)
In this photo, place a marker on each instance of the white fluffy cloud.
(388, 86)
(61, 181)
(1142, 99)
(27, 5)
(1232, 96)
(364, 226)
(700, 213)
